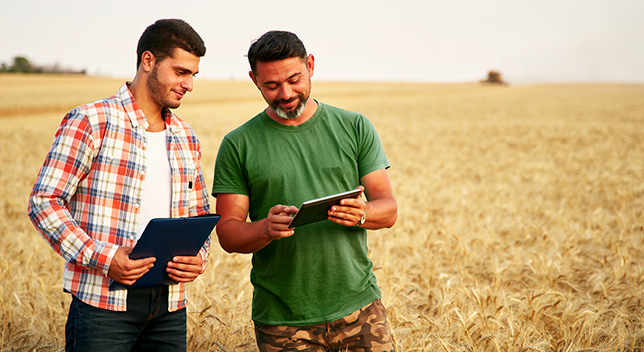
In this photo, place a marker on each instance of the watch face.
(363, 218)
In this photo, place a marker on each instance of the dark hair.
(162, 37)
(273, 46)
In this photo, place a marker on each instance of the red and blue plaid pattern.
(86, 198)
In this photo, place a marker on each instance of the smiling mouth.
(289, 104)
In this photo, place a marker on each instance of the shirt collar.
(137, 118)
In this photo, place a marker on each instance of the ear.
(252, 77)
(147, 61)
(310, 64)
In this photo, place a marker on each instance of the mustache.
(283, 101)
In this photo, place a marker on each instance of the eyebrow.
(288, 78)
(183, 68)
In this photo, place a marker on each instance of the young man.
(115, 164)
(314, 286)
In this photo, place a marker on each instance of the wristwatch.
(362, 219)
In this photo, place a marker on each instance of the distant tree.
(21, 64)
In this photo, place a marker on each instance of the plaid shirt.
(86, 199)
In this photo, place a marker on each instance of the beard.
(159, 93)
(293, 114)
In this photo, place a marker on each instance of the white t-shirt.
(156, 198)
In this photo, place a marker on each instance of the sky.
(527, 41)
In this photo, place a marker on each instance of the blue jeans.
(145, 326)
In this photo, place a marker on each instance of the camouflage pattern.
(363, 330)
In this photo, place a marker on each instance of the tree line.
(21, 64)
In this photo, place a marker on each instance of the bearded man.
(314, 286)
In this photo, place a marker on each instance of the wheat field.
(520, 227)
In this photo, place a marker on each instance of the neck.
(151, 109)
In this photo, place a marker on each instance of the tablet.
(165, 238)
(316, 210)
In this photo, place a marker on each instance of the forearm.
(62, 233)
(381, 213)
(237, 236)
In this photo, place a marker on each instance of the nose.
(187, 83)
(286, 92)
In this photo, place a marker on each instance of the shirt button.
(137, 205)
(142, 172)
(131, 237)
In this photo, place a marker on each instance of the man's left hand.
(349, 212)
(185, 269)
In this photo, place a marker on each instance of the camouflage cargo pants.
(363, 330)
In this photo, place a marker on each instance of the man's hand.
(277, 221)
(381, 209)
(185, 269)
(238, 236)
(349, 212)
(127, 271)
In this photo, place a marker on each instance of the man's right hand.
(236, 235)
(277, 221)
(127, 271)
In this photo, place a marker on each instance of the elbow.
(393, 215)
(225, 245)
(227, 250)
(229, 245)
(232, 250)
(34, 207)
(393, 212)
(31, 205)
(392, 220)
(385, 219)
(225, 241)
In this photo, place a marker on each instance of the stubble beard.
(293, 114)
(158, 91)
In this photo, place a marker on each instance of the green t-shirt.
(321, 273)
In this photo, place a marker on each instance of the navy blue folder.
(165, 238)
